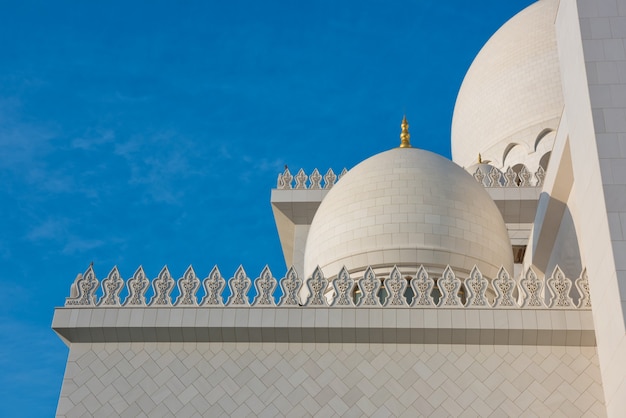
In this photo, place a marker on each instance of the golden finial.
(405, 136)
(480, 158)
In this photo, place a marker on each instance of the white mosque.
(490, 285)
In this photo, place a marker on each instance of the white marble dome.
(511, 97)
(407, 207)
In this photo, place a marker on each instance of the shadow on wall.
(556, 242)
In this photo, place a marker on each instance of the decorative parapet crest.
(447, 291)
(112, 287)
(476, 286)
(213, 286)
(291, 285)
(301, 179)
(531, 288)
(540, 175)
(311, 182)
(265, 285)
(490, 176)
(369, 286)
(83, 290)
(422, 286)
(560, 288)
(239, 285)
(137, 287)
(582, 284)
(317, 285)
(315, 179)
(329, 179)
(524, 176)
(162, 286)
(395, 285)
(504, 285)
(343, 286)
(449, 286)
(188, 286)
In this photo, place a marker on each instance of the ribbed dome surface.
(511, 94)
(407, 207)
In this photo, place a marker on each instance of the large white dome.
(407, 207)
(511, 97)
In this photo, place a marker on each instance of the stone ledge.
(326, 325)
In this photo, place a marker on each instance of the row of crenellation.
(395, 290)
(490, 176)
(304, 181)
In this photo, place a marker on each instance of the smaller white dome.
(407, 207)
(511, 96)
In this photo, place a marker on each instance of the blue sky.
(151, 133)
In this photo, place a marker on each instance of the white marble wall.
(284, 379)
(591, 36)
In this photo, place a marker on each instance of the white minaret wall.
(591, 36)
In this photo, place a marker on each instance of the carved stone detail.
(487, 181)
(343, 286)
(395, 285)
(163, 286)
(187, 287)
(291, 285)
(582, 284)
(137, 288)
(369, 285)
(511, 178)
(315, 179)
(449, 286)
(280, 182)
(531, 290)
(287, 179)
(213, 286)
(317, 285)
(531, 287)
(540, 175)
(329, 179)
(265, 285)
(524, 176)
(560, 287)
(479, 176)
(476, 286)
(301, 179)
(422, 286)
(112, 286)
(495, 175)
(504, 286)
(239, 285)
(343, 173)
(83, 290)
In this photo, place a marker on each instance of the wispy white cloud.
(162, 163)
(64, 234)
(49, 229)
(93, 140)
(52, 180)
(255, 166)
(21, 144)
(76, 245)
(129, 148)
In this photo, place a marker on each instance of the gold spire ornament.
(405, 136)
